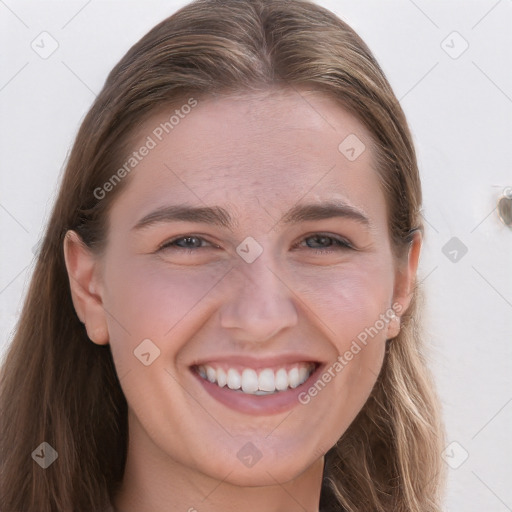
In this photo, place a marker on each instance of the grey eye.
(189, 242)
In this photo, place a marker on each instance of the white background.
(460, 112)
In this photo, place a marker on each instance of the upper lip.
(256, 363)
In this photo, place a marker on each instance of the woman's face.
(249, 248)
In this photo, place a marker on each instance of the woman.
(223, 315)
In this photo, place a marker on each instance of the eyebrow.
(218, 216)
(214, 215)
(324, 210)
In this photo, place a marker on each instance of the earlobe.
(393, 328)
(81, 266)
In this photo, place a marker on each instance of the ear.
(405, 281)
(83, 273)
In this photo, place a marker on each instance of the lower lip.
(258, 404)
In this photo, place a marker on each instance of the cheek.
(348, 299)
(148, 299)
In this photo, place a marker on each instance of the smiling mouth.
(266, 381)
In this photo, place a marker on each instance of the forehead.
(258, 151)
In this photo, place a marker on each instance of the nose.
(260, 304)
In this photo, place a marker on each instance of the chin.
(264, 472)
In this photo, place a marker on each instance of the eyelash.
(339, 243)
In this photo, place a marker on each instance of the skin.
(256, 155)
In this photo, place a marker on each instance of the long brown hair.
(59, 387)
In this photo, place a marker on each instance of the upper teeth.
(265, 382)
